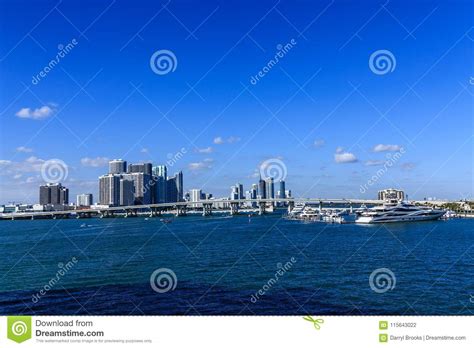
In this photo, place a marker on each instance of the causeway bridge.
(181, 208)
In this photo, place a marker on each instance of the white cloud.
(408, 165)
(386, 147)
(35, 114)
(208, 149)
(345, 157)
(339, 149)
(218, 140)
(144, 150)
(94, 162)
(24, 149)
(30, 165)
(319, 143)
(374, 163)
(230, 140)
(206, 164)
(30, 179)
(233, 139)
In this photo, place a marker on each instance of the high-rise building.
(84, 200)
(109, 189)
(171, 190)
(160, 171)
(160, 176)
(145, 168)
(53, 194)
(234, 192)
(45, 195)
(117, 166)
(240, 191)
(195, 195)
(252, 194)
(254, 191)
(127, 192)
(282, 189)
(179, 186)
(391, 194)
(144, 186)
(270, 188)
(262, 188)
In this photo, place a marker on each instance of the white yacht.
(394, 211)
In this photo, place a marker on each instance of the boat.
(450, 214)
(398, 211)
(297, 210)
(310, 213)
(345, 217)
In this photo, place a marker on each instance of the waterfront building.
(55, 194)
(391, 194)
(109, 189)
(262, 189)
(251, 194)
(270, 188)
(282, 189)
(288, 193)
(240, 190)
(171, 189)
(143, 186)
(127, 192)
(234, 192)
(159, 189)
(161, 177)
(84, 200)
(174, 188)
(179, 186)
(117, 166)
(195, 195)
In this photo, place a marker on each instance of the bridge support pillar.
(320, 206)
(181, 210)
(206, 209)
(291, 205)
(234, 208)
(261, 208)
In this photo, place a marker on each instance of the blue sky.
(321, 111)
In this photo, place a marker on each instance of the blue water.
(220, 262)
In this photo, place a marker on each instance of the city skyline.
(227, 106)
